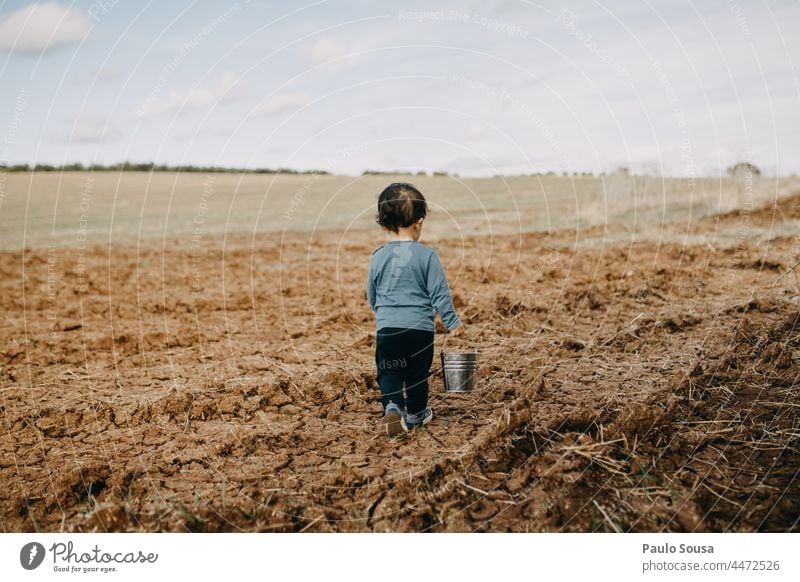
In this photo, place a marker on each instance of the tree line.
(740, 168)
(148, 167)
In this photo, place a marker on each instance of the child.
(405, 285)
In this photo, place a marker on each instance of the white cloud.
(284, 103)
(202, 133)
(326, 49)
(40, 27)
(178, 102)
(476, 131)
(91, 128)
(109, 73)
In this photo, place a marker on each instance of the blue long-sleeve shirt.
(406, 285)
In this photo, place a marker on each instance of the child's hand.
(455, 332)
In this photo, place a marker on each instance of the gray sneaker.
(420, 419)
(394, 421)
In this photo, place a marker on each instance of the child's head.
(401, 205)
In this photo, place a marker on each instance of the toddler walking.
(406, 285)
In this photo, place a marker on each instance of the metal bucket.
(458, 370)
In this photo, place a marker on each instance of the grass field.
(54, 209)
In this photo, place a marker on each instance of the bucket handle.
(444, 374)
(444, 341)
(441, 356)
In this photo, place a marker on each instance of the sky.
(479, 88)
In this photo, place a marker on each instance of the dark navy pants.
(404, 356)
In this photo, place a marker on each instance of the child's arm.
(371, 287)
(439, 292)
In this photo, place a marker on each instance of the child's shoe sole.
(395, 425)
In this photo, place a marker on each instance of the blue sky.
(505, 86)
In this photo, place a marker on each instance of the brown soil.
(632, 387)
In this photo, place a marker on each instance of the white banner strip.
(388, 557)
